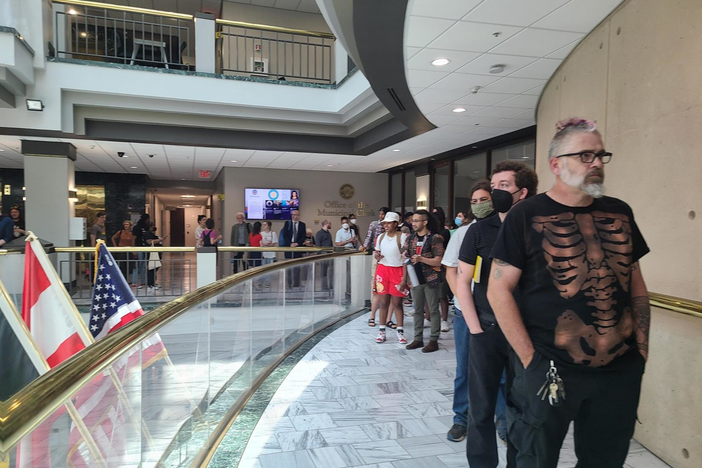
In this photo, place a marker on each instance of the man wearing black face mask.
(511, 182)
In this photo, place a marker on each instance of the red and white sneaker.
(381, 337)
(401, 337)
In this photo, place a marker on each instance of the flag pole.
(82, 328)
(166, 358)
(42, 367)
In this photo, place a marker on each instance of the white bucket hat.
(391, 217)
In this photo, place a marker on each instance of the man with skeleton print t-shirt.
(580, 334)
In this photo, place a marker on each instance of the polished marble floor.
(354, 403)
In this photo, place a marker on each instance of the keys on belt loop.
(553, 387)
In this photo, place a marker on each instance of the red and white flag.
(47, 310)
(57, 330)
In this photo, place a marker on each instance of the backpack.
(398, 234)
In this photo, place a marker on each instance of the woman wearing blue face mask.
(462, 218)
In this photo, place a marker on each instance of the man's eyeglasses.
(589, 156)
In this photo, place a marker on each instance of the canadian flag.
(57, 331)
(47, 310)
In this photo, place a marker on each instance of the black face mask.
(502, 200)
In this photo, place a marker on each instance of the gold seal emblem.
(346, 191)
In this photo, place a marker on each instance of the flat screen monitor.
(271, 204)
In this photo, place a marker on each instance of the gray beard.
(594, 190)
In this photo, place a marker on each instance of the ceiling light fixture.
(440, 62)
(187, 196)
(496, 69)
(134, 167)
(330, 165)
(233, 161)
(72, 12)
(396, 150)
(2, 150)
(458, 110)
(35, 105)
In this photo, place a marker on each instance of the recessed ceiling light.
(440, 62)
(134, 167)
(233, 161)
(330, 165)
(459, 109)
(2, 150)
(474, 147)
(187, 196)
(397, 150)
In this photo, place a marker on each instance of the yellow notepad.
(476, 271)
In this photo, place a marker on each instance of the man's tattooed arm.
(641, 312)
(497, 271)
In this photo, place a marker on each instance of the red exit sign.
(204, 174)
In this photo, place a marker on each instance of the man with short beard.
(580, 334)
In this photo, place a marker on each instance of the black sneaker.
(457, 433)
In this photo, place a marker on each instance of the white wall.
(27, 18)
(316, 188)
(274, 17)
(67, 89)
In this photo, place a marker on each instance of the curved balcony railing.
(162, 390)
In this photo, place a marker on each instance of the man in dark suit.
(293, 234)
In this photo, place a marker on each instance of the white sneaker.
(444, 326)
(401, 337)
(381, 337)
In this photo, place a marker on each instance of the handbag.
(154, 260)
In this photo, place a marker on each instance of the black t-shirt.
(418, 266)
(576, 276)
(479, 241)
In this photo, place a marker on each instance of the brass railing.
(29, 407)
(676, 304)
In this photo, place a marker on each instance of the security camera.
(152, 155)
(475, 90)
(120, 154)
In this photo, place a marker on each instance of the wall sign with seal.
(347, 191)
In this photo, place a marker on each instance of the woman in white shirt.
(269, 238)
(388, 276)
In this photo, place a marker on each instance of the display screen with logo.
(271, 203)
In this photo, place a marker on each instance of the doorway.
(178, 227)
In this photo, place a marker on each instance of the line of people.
(552, 313)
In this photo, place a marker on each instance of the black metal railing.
(275, 53)
(131, 37)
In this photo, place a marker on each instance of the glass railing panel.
(170, 396)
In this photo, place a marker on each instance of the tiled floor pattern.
(354, 403)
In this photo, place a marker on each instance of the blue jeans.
(460, 383)
(139, 268)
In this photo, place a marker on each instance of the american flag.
(114, 304)
(99, 404)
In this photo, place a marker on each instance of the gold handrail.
(129, 9)
(193, 249)
(676, 304)
(279, 29)
(25, 410)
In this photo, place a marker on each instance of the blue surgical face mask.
(458, 221)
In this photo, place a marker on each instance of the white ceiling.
(534, 38)
(308, 6)
(180, 162)
(536, 35)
